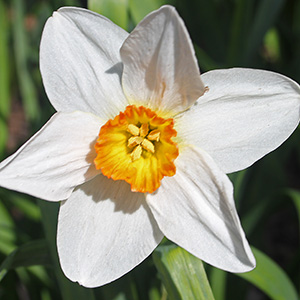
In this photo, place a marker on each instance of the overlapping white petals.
(196, 210)
(80, 62)
(160, 68)
(56, 159)
(104, 230)
(92, 70)
(245, 114)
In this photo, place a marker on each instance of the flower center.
(136, 146)
(141, 139)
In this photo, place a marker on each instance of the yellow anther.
(134, 140)
(134, 130)
(148, 145)
(154, 135)
(136, 153)
(144, 129)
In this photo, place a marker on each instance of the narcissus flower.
(140, 143)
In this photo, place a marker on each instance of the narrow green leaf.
(45, 294)
(254, 215)
(154, 294)
(4, 76)
(7, 231)
(205, 61)
(183, 274)
(27, 206)
(239, 181)
(28, 92)
(4, 62)
(240, 23)
(295, 196)
(267, 12)
(3, 135)
(115, 10)
(40, 272)
(5, 218)
(217, 281)
(29, 254)
(270, 278)
(7, 239)
(37, 273)
(139, 9)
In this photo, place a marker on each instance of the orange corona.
(136, 146)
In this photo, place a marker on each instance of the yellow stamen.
(134, 130)
(133, 141)
(144, 129)
(136, 153)
(148, 145)
(154, 135)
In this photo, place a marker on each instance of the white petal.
(104, 230)
(160, 68)
(245, 115)
(80, 62)
(56, 159)
(195, 209)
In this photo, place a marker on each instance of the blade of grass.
(239, 25)
(267, 12)
(4, 76)
(27, 206)
(183, 274)
(295, 196)
(29, 254)
(21, 50)
(217, 281)
(7, 230)
(254, 215)
(270, 278)
(239, 180)
(205, 61)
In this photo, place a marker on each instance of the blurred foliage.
(261, 34)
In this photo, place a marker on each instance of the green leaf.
(205, 61)
(27, 206)
(217, 281)
(115, 10)
(241, 21)
(254, 215)
(267, 12)
(29, 254)
(270, 278)
(295, 196)
(183, 274)
(4, 76)
(7, 230)
(139, 9)
(239, 181)
(21, 51)
(39, 272)
(4, 62)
